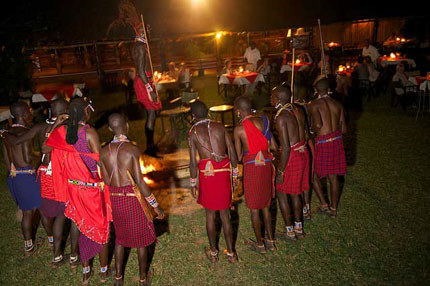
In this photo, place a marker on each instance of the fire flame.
(341, 69)
(240, 69)
(298, 61)
(392, 55)
(145, 170)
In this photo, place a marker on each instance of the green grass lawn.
(381, 236)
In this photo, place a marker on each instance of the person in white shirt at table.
(252, 56)
(370, 51)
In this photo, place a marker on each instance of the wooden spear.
(323, 66)
(292, 74)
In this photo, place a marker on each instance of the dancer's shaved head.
(199, 109)
(19, 109)
(283, 93)
(59, 106)
(243, 103)
(117, 123)
(322, 86)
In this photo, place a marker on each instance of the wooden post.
(98, 64)
(87, 57)
(117, 55)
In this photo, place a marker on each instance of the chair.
(423, 94)
(365, 88)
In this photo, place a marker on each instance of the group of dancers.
(308, 147)
(77, 180)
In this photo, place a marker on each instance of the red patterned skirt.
(50, 207)
(132, 228)
(214, 184)
(258, 180)
(296, 176)
(330, 155)
(142, 94)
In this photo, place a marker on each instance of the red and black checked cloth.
(296, 176)
(88, 248)
(132, 228)
(330, 156)
(142, 94)
(257, 181)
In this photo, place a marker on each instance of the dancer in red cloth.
(132, 228)
(328, 122)
(252, 138)
(216, 151)
(292, 177)
(74, 159)
(53, 200)
(144, 87)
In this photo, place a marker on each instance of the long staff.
(147, 45)
(323, 66)
(292, 74)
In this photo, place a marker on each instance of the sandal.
(104, 276)
(307, 213)
(299, 232)
(30, 250)
(87, 274)
(324, 209)
(332, 212)
(211, 256)
(255, 247)
(231, 257)
(288, 235)
(270, 244)
(57, 262)
(147, 281)
(74, 261)
(118, 281)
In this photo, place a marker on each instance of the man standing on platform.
(53, 201)
(21, 178)
(328, 122)
(252, 56)
(120, 159)
(252, 138)
(292, 177)
(216, 151)
(145, 89)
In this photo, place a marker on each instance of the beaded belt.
(123, 194)
(216, 170)
(13, 173)
(85, 184)
(329, 140)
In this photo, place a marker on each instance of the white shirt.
(252, 56)
(371, 52)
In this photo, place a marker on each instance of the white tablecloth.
(285, 68)
(385, 63)
(239, 80)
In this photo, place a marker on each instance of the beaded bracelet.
(193, 182)
(236, 172)
(148, 87)
(152, 201)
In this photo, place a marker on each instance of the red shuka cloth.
(88, 207)
(296, 176)
(258, 181)
(257, 177)
(215, 191)
(46, 183)
(132, 228)
(330, 156)
(256, 139)
(142, 94)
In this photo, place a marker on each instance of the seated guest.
(252, 56)
(284, 57)
(184, 77)
(228, 68)
(401, 77)
(173, 71)
(373, 73)
(264, 68)
(362, 69)
(371, 51)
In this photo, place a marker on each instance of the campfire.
(145, 169)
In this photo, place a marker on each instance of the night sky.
(49, 21)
